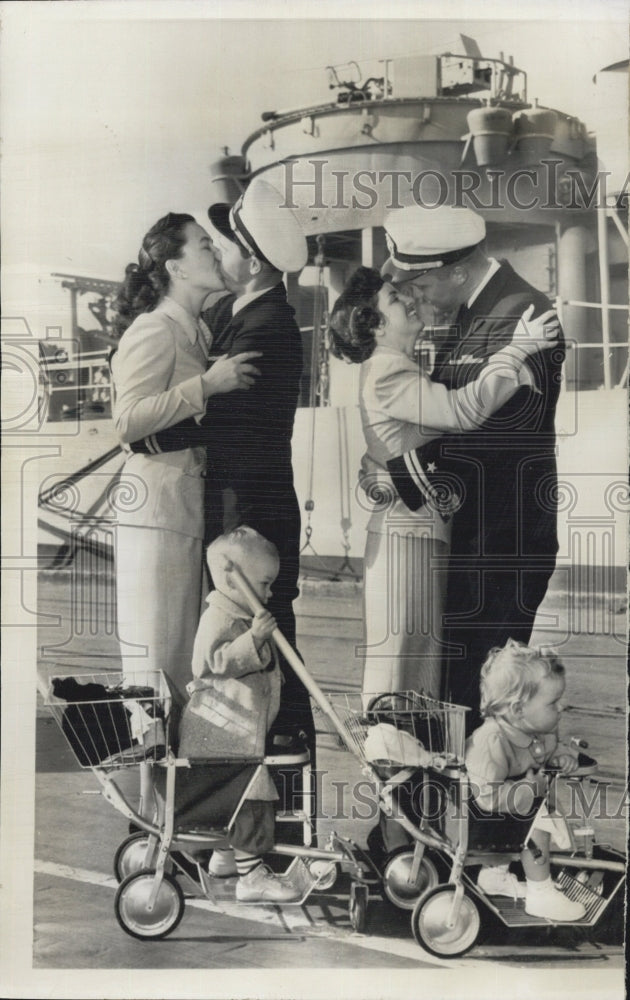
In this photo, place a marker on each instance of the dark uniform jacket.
(508, 467)
(249, 431)
(504, 534)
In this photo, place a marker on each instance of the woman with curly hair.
(406, 554)
(161, 377)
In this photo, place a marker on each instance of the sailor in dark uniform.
(250, 444)
(504, 534)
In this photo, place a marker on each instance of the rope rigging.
(319, 395)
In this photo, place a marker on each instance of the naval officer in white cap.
(257, 240)
(504, 537)
(425, 244)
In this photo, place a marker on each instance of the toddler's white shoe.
(543, 899)
(261, 885)
(222, 864)
(497, 880)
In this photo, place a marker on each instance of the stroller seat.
(498, 831)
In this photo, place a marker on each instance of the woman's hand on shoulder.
(533, 335)
(227, 374)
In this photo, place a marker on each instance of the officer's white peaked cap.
(264, 226)
(422, 239)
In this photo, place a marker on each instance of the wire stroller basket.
(401, 729)
(110, 724)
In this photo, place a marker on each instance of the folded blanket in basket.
(385, 744)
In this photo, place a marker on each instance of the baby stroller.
(110, 729)
(449, 839)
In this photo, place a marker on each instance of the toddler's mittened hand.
(565, 762)
(263, 625)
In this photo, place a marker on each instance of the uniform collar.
(490, 273)
(185, 319)
(244, 300)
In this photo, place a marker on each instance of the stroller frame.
(432, 878)
(149, 901)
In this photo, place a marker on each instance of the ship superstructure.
(458, 129)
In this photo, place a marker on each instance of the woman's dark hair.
(355, 316)
(146, 282)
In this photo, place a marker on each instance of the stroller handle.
(287, 651)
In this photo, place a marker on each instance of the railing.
(87, 377)
(605, 345)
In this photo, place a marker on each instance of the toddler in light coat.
(234, 699)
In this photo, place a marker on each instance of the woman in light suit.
(161, 376)
(406, 554)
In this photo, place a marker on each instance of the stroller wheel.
(324, 872)
(357, 906)
(396, 878)
(131, 855)
(132, 905)
(440, 931)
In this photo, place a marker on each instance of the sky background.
(112, 113)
